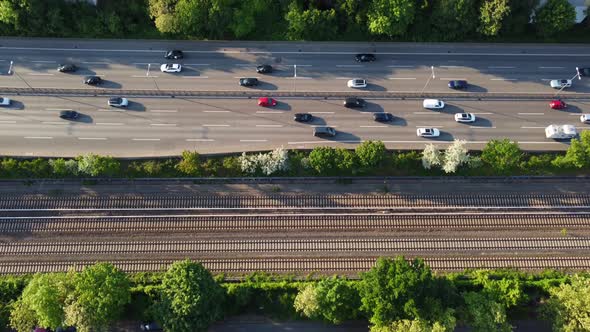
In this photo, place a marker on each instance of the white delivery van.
(565, 131)
(433, 104)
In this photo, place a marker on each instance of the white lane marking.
(7, 121)
(551, 67)
(430, 113)
(270, 126)
(342, 78)
(40, 74)
(531, 113)
(109, 124)
(145, 139)
(44, 61)
(2, 60)
(245, 65)
(95, 63)
(298, 65)
(142, 76)
(55, 123)
(449, 66)
(483, 113)
(58, 109)
(427, 126)
(197, 64)
(373, 126)
(163, 124)
(503, 79)
(395, 66)
(501, 67)
(253, 140)
(526, 127)
(146, 63)
(199, 140)
(215, 125)
(269, 112)
(476, 127)
(349, 66)
(92, 138)
(163, 111)
(195, 76)
(38, 137)
(546, 79)
(110, 110)
(402, 78)
(452, 79)
(256, 77)
(299, 78)
(216, 111)
(316, 126)
(321, 112)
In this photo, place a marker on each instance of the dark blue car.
(458, 84)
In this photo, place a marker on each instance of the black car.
(382, 117)
(303, 117)
(365, 57)
(353, 102)
(583, 71)
(458, 84)
(324, 132)
(92, 80)
(67, 68)
(151, 326)
(264, 69)
(248, 81)
(69, 115)
(174, 54)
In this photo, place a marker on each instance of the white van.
(433, 104)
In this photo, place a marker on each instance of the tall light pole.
(147, 73)
(431, 77)
(563, 87)
(577, 71)
(10, 68)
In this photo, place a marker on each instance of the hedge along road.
(216, 66)
(165, 126)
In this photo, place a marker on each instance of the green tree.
(333, 299)
(190, 163)
(163, 12)
(569, 305)
(517, 22)
(95, 165)
(492, 15)
(395, 289)
(100, 294)
(453, 19)
(390, 17)
(45, 295)
(447, 324)
(371, 154)
(190, 300)
(310, 24)
(503, 156)
(505, 289)
(578, 153)
(485, 314)
(554, 17)
(192, 17)
(22, 317)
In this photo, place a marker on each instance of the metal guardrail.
(258, 93)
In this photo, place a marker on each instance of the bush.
(62, 168)
(370, 154)
(95, 165)
(265, 163)
(502, 156)
(189, 164)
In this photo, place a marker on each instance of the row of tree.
(395, 295)
(498, 157)
(426, 20)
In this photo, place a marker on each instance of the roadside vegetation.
(372, 20)
(395, 295)
(500, 157)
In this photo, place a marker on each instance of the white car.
(357, 83)
(428, 132)
(585, 118)
(118, 102)
(558, 84)
(171, 68)
(433, 104)
(465, 117)
(4, 101)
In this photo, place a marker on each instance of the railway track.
(298, 222)
(292, 246)
(307, 265)
(293, 201)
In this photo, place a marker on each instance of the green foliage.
(95, 165)
(62, 168)
(45, 295)
(331, 162)
(390, 17)
(371, 154)
(395, 289)
(447, 324)
(190, 299)
(492, 14)
(503, 156)
(333, 299)
(554, 17)
(100, 294)
(453, 19)
(508, 290)
(485, 314)
(22, 317)
(310, 24)
(578, 153)
(569, 305)
(189, 164)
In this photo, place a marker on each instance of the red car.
(557, 104)
(266, 102)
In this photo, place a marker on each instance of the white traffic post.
(578, 73)
(148, 70)
(294, 71)
(10, 68)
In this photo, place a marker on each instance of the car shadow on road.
(449, 109)
(371, 107)
(14, 105)
(570, 109)
(84, 118)
(282, 106)
(375, 87)
(316, 121)
(473, 88)
(266, 86)
(481, 122)
(345, 137)
(81, 72)
(106, 84)
(135, 106)
(397, 122)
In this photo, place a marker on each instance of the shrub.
(455, 156)
(95, 165)
(370, 154)
(503, 156)
(62, 168)
(431, 156)
(265, 163)
(189, 164)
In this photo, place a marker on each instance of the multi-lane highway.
(166, 126)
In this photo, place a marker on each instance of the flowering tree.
(431, 156)
(265, 163)
(455, 156)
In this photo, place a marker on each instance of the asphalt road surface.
(167, 126)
